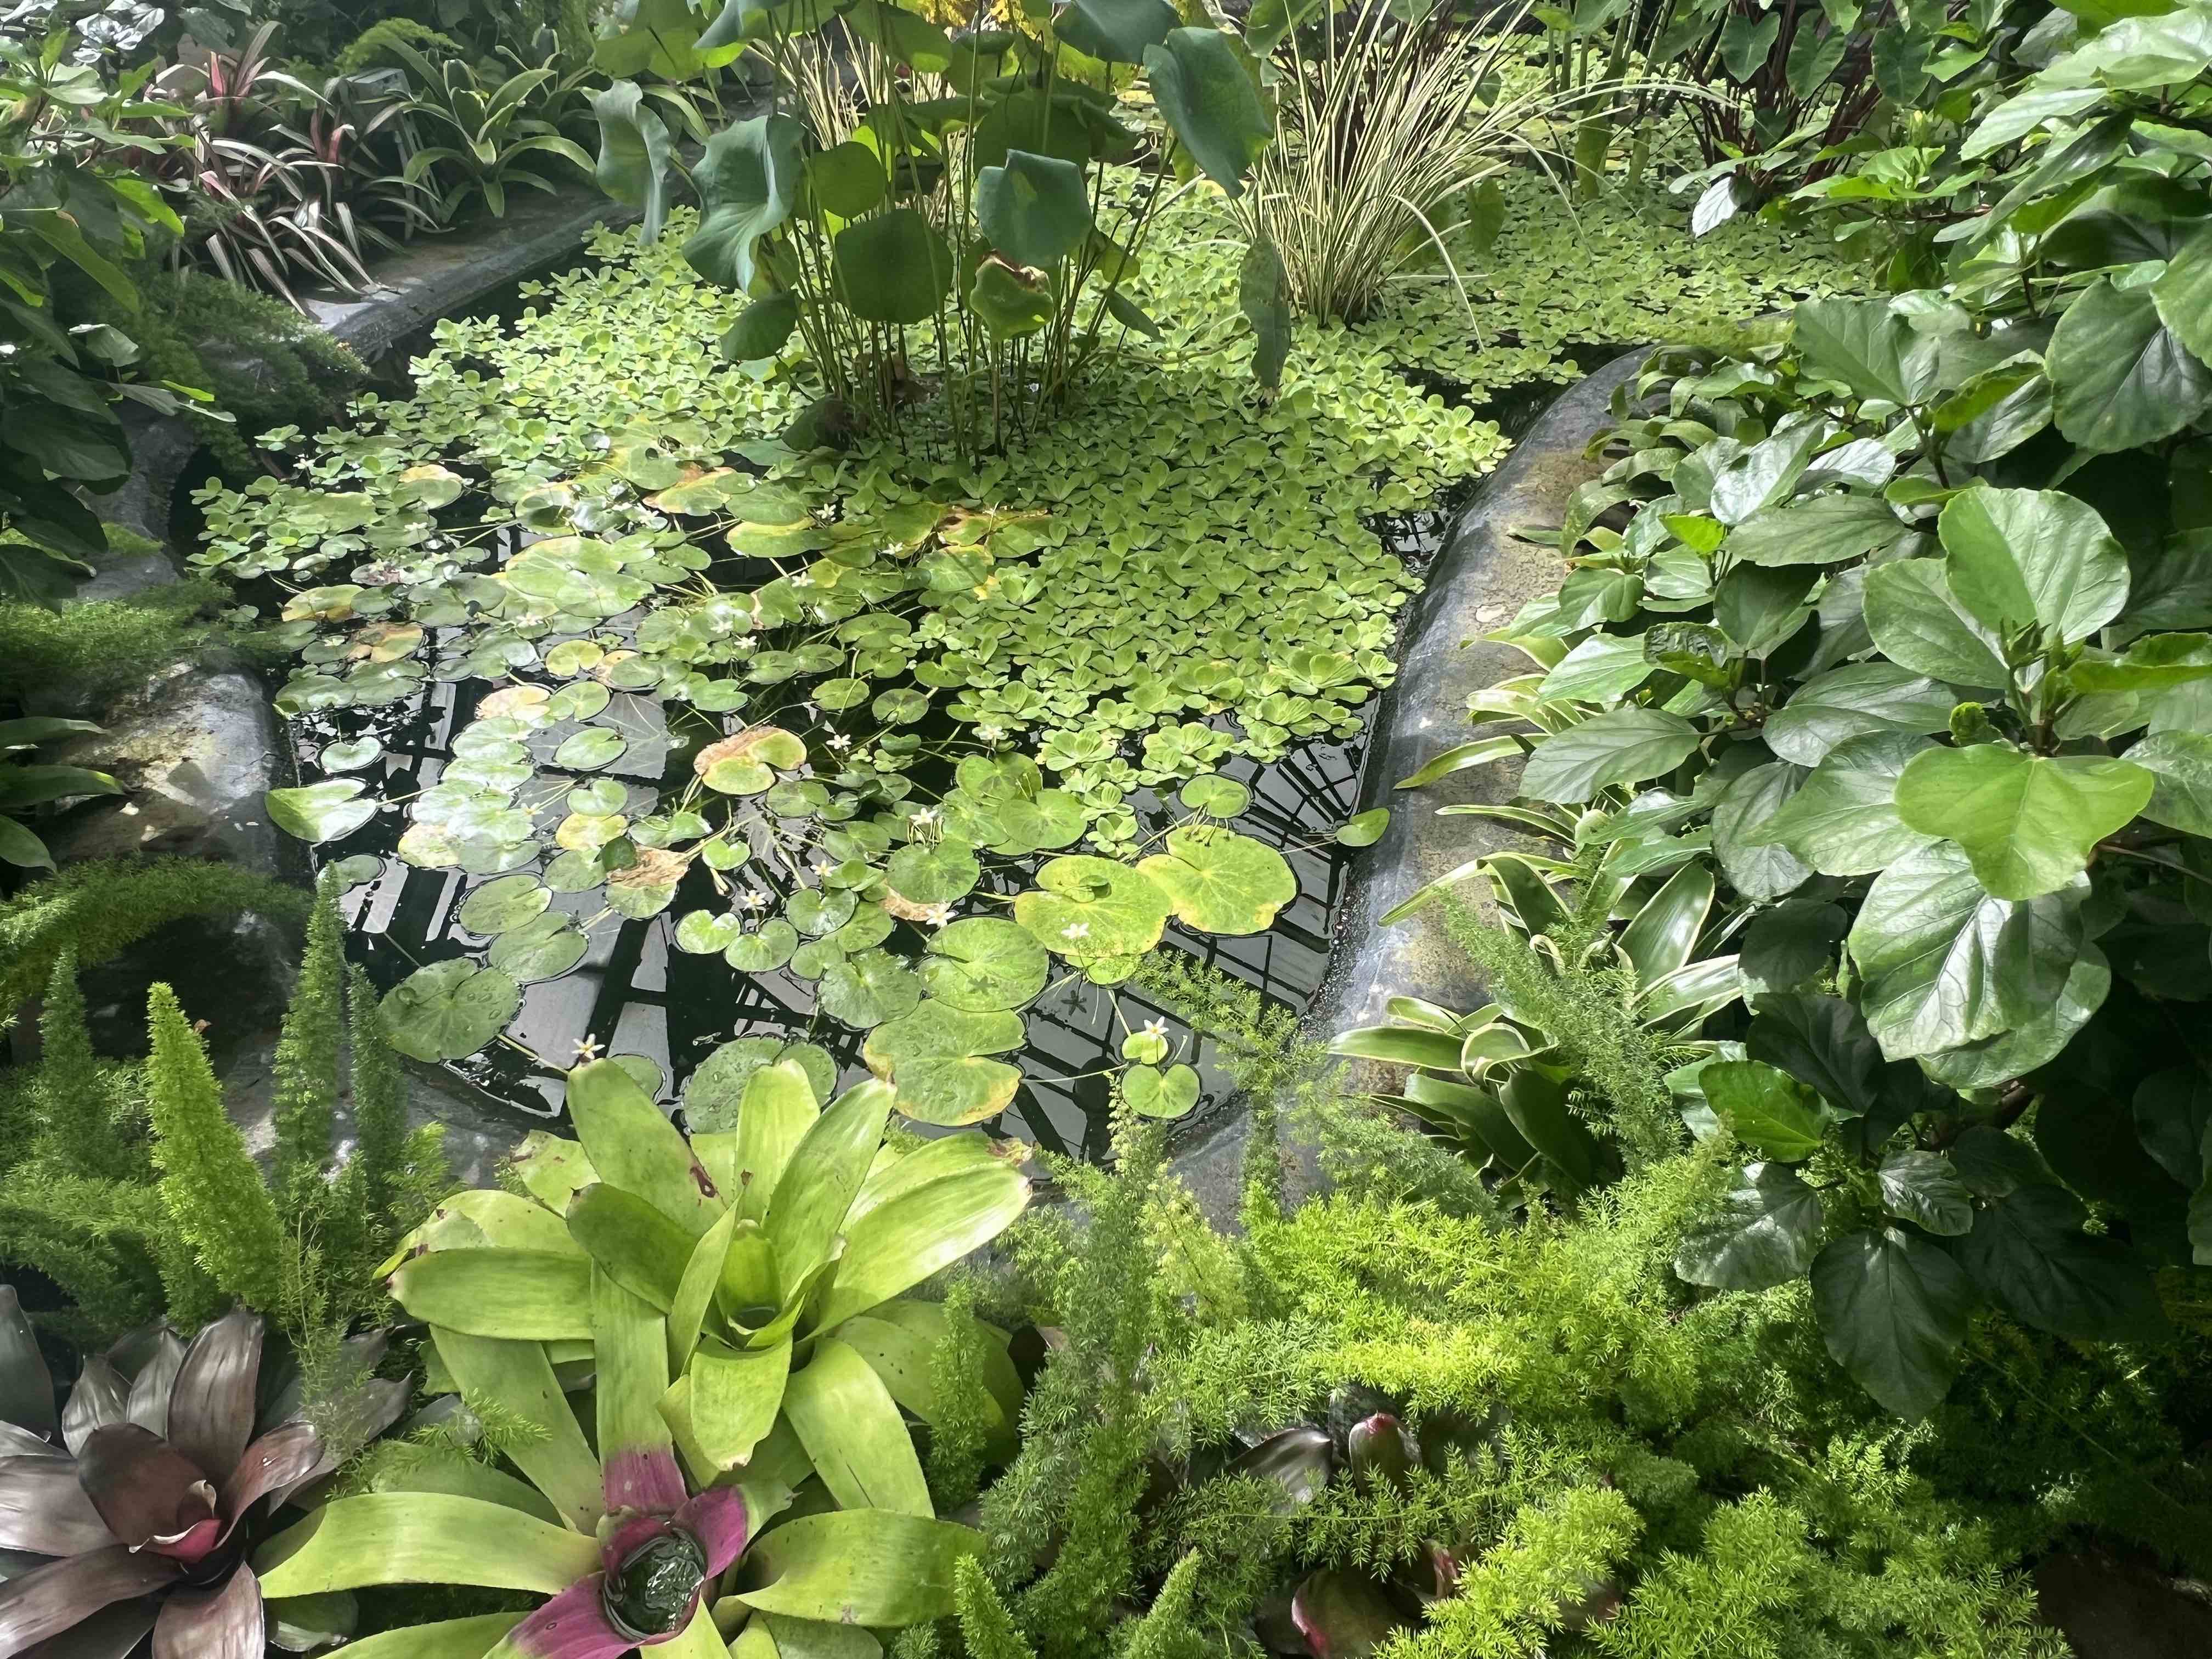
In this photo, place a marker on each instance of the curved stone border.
(1480, 578)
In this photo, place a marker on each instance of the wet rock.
(194, 751)
(2113, 1609)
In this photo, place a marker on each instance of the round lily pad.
(935, 1058)
(901, 707)
(934, 873)
(575, 873)
(524, 703)
(544, 948)
(505, 902)
(1152, 1092)
(870, 988)
(1220, 882)
(593, 746)
(1085, 907)
(739, 777)
(350, 755)
(321, 811)
(588, 832)
(871, 924)
(983, 965)
(645, 886)
(763, 951)
(580, 702)
(449, 1009)
(1365, 829)
(841, 694)
(820, 910)
(1215, 796)
(573, 657)
(642, 1070)
(428, 847)
(703, 932)
(815, 957)
(717, 1089)
(600, 795)
(361, 868)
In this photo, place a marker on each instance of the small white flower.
(991, 733)
(840, 742)
(587, 1049)
(1076, 930)
(754, 899)
(822, 866)
(926, 818)
(1156, 1028)
(937, 915)
(802, 579)
(8, 348)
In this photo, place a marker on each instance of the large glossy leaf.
(2028, 1251)
(634, 1146)
(823, 1176)
(1764, 1233)
(1870, 347)
(2033, 556)
(423, 1538)
(921, 1226)
(449, 1638)
(630, 1240)
(328, 810)
(2120, 379)
(1625, 745)
(1922, 1188)
(1918, 623)
(1756, 867)
(748, 179)
(635, 145)
(630, 1351)
(852, 1430)
(1946, 962)
(2027, 823)
(1663, 936)
(1210, 103)
(984, 964)
(1822, 1042)
(778, 1109)
(2180, 764)
(734, 1397)
(1894, 1311)
(938, 1059)
(530, 1296)
(1035, 208)
(1842, 820)
(449, 1009)
(1823, 530)
(893, 268)
(1220, 882)
(27, 1387)
(2183, 295)
(520, 1378)
(1118, 30)
(869, 1567)
(1850, 701)
(1770, 1110)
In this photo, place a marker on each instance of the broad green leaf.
(423, 1538)
(1117, 31)
(1399, 1045)
(1034, 209)
(1922, 1188)
(448, 1010)
(553, 1453)
(1822, 1042)
(1946, 962)
(983, 965)
(529, 1296)
(2033, 556)
(1893, 1310)
(1220, 882)
(2180, 763)
(870, 1567)
(1155, 1093)
(2184, 294)
(504, 903)
(634, 147)
(1755, 867)
(1624, 745)
(1842, 820)
(1868, 347)
(1764, 1233)
(2029, 823)
(629, 1353)
(1083, 907)
(1263, 294)
(634, 1146)
(2120, 379)
(1771, 1111)
(2028, 1251)
(329, 811)
(631, 1240)
(1663, 936)
(852, 1430)
(1538, 1108)
(748, 180)
(1851, 702)
(1459, 757)
(2033, 1043)
(868, 989)
(1918, 623)
(823, 1175)
(1823, 530)
(780, 1106)
(760, 330)
(920, 1227)
(734, 1397)
(1210, 103)
(893, 268)
(1009, 302)
(449, 1638)
(1761, 609)
(553, 1170)
(936, 1058)
(498, 1216)
(1790, 943)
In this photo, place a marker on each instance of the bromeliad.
(738, 1299)
(148, 1502)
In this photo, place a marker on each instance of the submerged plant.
(148, 1506)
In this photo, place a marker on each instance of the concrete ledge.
(1482, 576)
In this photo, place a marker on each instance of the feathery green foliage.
(81, 1103)
(985, 1624)
(96, 647)
(958, 1438)
(103, 906)
(306, 1064)
(209, 1180)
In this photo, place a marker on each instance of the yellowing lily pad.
(1084, 907)
(1220, 882)
(934, 1058)
(321, 811)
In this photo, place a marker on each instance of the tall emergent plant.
(741, 1298)
(979, 220)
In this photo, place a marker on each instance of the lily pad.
(704, 933)
(1364, 828)
(321, 811)
(1085, 907)
(983, 965)
(765, 950)
(1152, 1092)
(1220, 882)
(504, 903)
(1215, 796)
(349, 756)
(717, 1089)
(580, 702)
(545, 948)
(872, 987)
(449, 1009)
(593, 747)
(935, 1058)
(934, 873)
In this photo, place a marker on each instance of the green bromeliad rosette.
(740, 1299)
